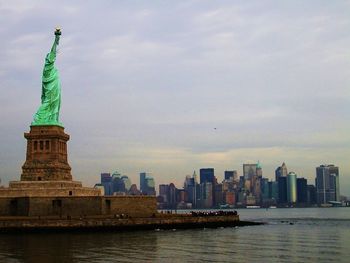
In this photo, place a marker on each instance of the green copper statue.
(49, 110)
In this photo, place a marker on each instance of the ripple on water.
(309, 239)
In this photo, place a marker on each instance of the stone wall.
(78, 206)
(108, 223)
(62, 192)
(47, 188)
(43, 184)
(64, 206)
(5, 206)
(135, 206)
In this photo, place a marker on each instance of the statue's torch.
(58, 33)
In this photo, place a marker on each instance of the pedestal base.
(46, 158)
(48, 189)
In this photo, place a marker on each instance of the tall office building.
(206, 195)
(188, 181)
(231, 174)
(259, 169)
(218, 195)
(256, 188)
(249, 171)
(301, 190)
(281, 179)
(265, 190)
(228, 185)
(229, 198)
(207, 175)
(106, 182)
(172, 196)
(327, 184)
(126, 183)
(147, 185)
(180, 197)
(228, 175)
(311, 194)
(190, 190)
(273, 191)
(235, 176)
(143, 181)
(117, 184)
(164, 192)
(282, 190)
(292, 187)
(281, 171)
(195, 177)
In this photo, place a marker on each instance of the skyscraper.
(249, 170)
(207, 175)
(207, 179)
(206, 194)
(190, 189)
(164, 192)
(143, 181)
(218, 195)
(106, 181)
(281, 180)
(172, 196)
(229, 175)
(265, 191)
(273, 190)
(195, 177)
(301, 190)
(235, 176)
(259, 169)
(117, 184)
(282, 190)
(292, 187)
(281, 171)
(147, 185)
(327, 184)
(311, 195)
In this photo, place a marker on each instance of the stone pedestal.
(46, 158)
(46, 171)
(47, 188)
(46, 178)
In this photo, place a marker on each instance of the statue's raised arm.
(49, 110)
(52, 54)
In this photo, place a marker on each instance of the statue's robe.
(48, 112)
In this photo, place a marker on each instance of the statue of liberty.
(49, 110)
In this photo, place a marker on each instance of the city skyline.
(221, 85)
(279, 171)
(251, 189)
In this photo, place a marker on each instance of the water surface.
(290, 235)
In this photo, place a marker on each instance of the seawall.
(117, 223)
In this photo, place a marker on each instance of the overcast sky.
(169, 87)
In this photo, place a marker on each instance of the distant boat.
(335, 203)
(252, 206)
(272, 206)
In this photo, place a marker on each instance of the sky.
(169, 87)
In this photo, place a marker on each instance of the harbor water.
(289, 235)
